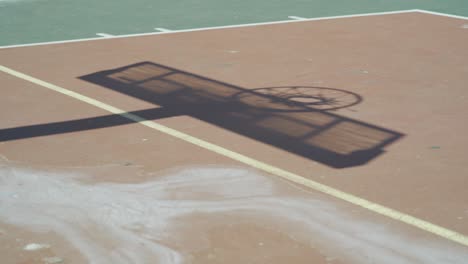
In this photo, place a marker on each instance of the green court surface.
(31, 21)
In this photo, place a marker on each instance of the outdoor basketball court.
(265, 143)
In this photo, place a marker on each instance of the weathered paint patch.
(132, 219)
(35, 246)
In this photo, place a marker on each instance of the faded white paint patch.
(105, 35)
(53, 260)
(297, 18)
(163, 29)
(35, 246)
(124, 223)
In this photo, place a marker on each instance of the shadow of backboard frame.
(291, 118)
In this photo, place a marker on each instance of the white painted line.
(297, 18)
(440, 14)
(213, 28)
(105, 35)
(163, 29)
(371, 206)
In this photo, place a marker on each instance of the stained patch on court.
(122, 223)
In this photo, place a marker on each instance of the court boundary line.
(212, 28)
(236, 26)
(273, 170)
(440, 14)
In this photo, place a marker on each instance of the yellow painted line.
(374, 207)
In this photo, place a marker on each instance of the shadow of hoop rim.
(301, 106)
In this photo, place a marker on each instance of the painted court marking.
(440, 14)
(163, 29)
(105, 35)
(222, 27)
(371, 206)
(297, 18)
(166, 31)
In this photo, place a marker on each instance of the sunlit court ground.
(223, 132)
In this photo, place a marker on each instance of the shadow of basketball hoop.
(299, 98)
(294, 118)
(297, 119)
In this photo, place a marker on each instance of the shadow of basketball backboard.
(296, 118)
